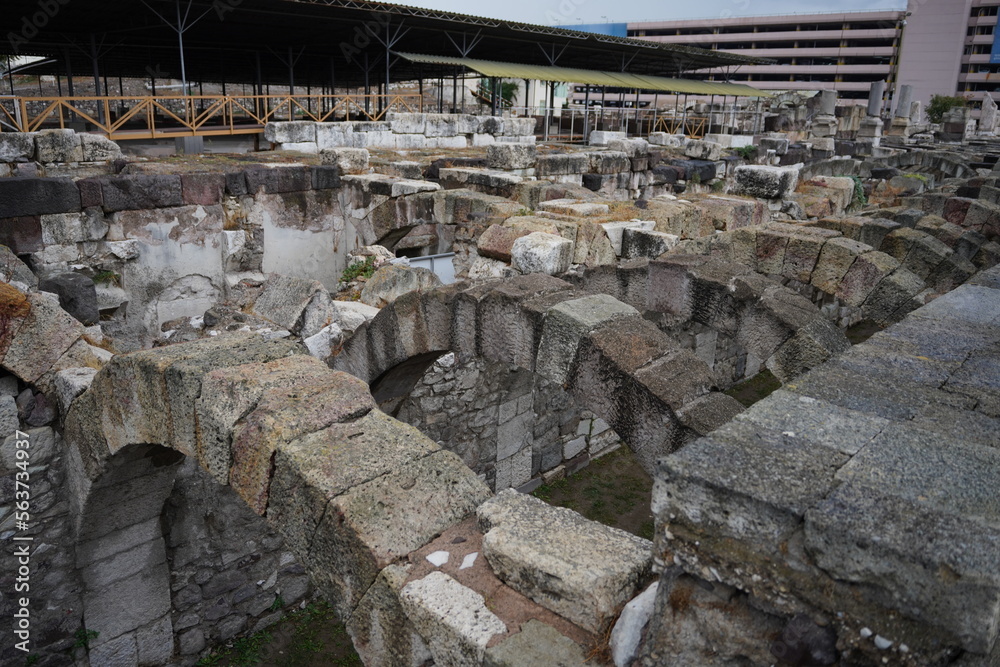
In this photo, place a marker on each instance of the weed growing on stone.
(84, 637)
(107, 278)
(746, 152)
(365, 269)
(859, 193)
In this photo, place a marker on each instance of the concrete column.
(828, 102)
(875, 98)
(905, 96)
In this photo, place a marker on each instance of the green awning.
(503, 70)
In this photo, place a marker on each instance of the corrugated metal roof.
(590, 77)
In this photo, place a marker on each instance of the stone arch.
(781, 330)
(120, 547)
(880, 268)
(300, 443)
(655, 395)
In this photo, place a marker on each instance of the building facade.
(937, 46)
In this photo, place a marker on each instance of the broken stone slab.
(574, 208)
(287, 301)
(511, 156)
(580, 569)
(394, 280)
(604, 137)
(637, 243)
(766, 182)
(13, 270)
(631, 147)
(484, 268)
(452, 618)
(628, 630)
(349, 160)
(379, 522)
(616, 231)
(539, 252)
(349, 315)
(77, 295)
(498, 241)
(536, 644)
(322, 344)
(45, 333)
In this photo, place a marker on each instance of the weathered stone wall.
(511, 426)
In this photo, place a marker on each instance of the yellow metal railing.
(193, 115)
(693, 127)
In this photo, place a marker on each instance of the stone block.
(560, 164)
(285, 132)
(70, 383)
(511, 156)
(285, 301)
(497, 242)
(44, 334)
(69, 228)
(452, 618)
(284, 414)
(631, 147)
(381, 521)
(379, 628)
(407, 123)
(202, 189)
(536, 644)
(766, 182)
(637, 243)
(393, 281)
(603, 137)
(58, 146)
(278, 179)
(581, 570)
(609, 162)
(97, 148)
(867, 271)
(77, 295)
(519, 127)
(141, 191)
(540, 252)
(703, 150)
(777, 144)
(22, 235)
(628, 631)
(349, 160)
(616, 231)
(17, 146)
(28, 196)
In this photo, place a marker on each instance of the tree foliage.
(942, 104)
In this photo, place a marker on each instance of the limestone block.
(777, 144)
(766, 182)
(616, 231)
(539, 252)
(407, 123)
(394, 280)
(65, 228)
(609, 162)
(410, 141)
(58, 146)
(603, 138)
(349, 160)
(519, 127)
(322, 344)
(97, 148)
(865, 273)
(566, 323)
(483, 140)
(334, 135)
(703, 150)
(447, 142)
(561, 164)
(441, 125)
(290, 132)
(511, 156)
(638, 243)
(579, 569)
(593, 247)
(309, 147)
(452, 618)
(667, 140)
(379, 522)
(12, 269)
(349, 315)
(365, 140)
(631, 147)
(484, 268)
(17, 146)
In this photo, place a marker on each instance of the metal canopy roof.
(590, 77)
(311, 41)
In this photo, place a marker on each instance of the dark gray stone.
(141, 191)
(27, 196)
(77, 295)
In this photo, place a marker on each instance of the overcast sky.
(568, 12)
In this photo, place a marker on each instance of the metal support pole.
(368, 87)
(260, 89)
(291, 75)
(180, 42)
(684, 118)
(97, 77)
(586, 115)
(454, 91)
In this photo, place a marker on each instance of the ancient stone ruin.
(240, 387)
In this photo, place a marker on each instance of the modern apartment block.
(937, 46)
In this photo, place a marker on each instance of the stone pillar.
(828, 102)
(875, 96)
(916, 112)
(903, 99)
(988, 117)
